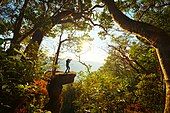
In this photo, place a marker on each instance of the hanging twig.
(83, 63)
(129, 60)
(89, 19)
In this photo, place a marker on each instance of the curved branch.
(96, 6)
(130, 61)
(27, 34)
(157, 38)
(99, 25)
(18, 22)
(149, 32)
(83, 63)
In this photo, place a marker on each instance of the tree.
(68, 15)
(24, 18)
(16, 82)
(156, 37)
(33, 20)
(117, 86)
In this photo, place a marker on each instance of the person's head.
(69, 59)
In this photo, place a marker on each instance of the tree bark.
(33, 46)
(55, 62)
(156, 37)
(17, 28)
(18, 22)
(56, 57)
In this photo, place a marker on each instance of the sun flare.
(91, 53)
(86, 46)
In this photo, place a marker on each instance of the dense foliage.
(118, 87)
(129, 81)
(22, 86)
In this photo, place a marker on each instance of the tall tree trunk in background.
(56, 57)
(156, 37)
(55, 62)
(34, 44)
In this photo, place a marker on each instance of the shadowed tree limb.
(18, 22)
(99, 25)
(96, 6)
(130, 61)
(17, 28)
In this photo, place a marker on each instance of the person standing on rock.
(67, 65)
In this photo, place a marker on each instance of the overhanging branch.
(96, 6)
(129, 60)
(99, 25)
(83, 63)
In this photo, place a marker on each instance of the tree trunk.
(163, 54)
(34, 44)
(16, 30)
(55, 62)
(156, 37)
(56, 57)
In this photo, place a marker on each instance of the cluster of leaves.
(154, 12)
(123, 84)
(19, 71)
(22, 87)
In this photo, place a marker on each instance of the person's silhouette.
(67, 65)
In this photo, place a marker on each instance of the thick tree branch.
(58, 17)
(27, 34)
(96, 6)
(156, 37)
(18, 22)
(149, 32)
(99, 25)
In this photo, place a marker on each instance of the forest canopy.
(134, 78)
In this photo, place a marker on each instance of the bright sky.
(92, 51)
